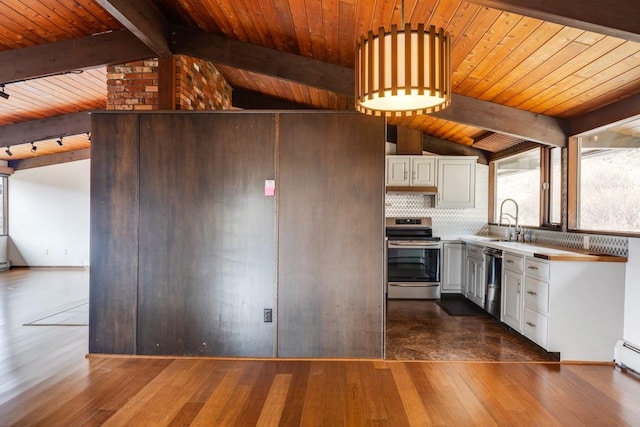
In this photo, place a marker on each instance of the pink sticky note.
(269, 187)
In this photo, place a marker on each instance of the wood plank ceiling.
(499, 57)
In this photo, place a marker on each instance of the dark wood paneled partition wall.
(330, 217)
(187, 251)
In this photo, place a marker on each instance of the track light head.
(33, 148)
(3, 94)
(8, 151)
(59, 142)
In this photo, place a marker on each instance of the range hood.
(425, 191)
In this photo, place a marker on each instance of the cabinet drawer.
(535, 327)
(537, 269)
(513, 262)
(536, 295)
(475, 251)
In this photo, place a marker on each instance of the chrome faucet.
(509, 217)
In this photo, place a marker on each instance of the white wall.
(632, 294)
(49, 215)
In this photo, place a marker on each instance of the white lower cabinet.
(574, 308)
(475, 275)
(512, 284)
(535, 327)
(452, 267)
(511, 304)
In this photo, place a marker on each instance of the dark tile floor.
(422, 330)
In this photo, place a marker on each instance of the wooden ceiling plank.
(263, 60)
(546, 70)
(38, 130)
(550, 85)
(330, 18)
(532, 61)
(511, 43)
(92, 14)
(77, 54)
(346, 35)
(503, 69)
(52, 15)
(494, 35)
(436, 13)
(301, 25)
(286, 25)
(313, 10)
(572, 85)
(594, 99)
(144, 20)
(457, 27)
(253, 23)
(474, 34)
(617, 20)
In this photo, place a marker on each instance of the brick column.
(198, 85)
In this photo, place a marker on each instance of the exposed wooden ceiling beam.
(144, 20)
(51, 159)
(116, 47)
(334, 78)
(516, 149)
(259, 59)
(618, 19)
(49, 128)
(605, 116)
(506, 120)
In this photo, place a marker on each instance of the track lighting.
(8, 151)
(3, 93)
(33, 148)
(59, 142)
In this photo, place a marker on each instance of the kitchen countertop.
(550, 253)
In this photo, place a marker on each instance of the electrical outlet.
(268, 315)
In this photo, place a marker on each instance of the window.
(555, 187)
(3, 202)
(608, 174)
(518, 178)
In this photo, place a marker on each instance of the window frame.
(545, 184)
(573, 193)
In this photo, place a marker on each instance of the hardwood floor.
(45, 379)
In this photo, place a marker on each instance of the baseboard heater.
(5, 265)
(627, 356)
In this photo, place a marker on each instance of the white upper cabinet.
(456, 182)
(423, 171)
(454, 177)
(398, 170)
(414, 171)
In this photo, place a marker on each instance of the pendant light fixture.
(403, 72)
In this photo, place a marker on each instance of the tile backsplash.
(446, 222)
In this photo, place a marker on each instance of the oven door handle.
(414, 285)
(414, 246)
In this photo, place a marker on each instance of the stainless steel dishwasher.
(493, 285)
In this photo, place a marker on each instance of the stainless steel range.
(413, 259)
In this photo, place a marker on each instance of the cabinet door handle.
(532, 267)
(533, 325)
(509, 261)
(406, 174)
(413, 174)
(532, 293)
